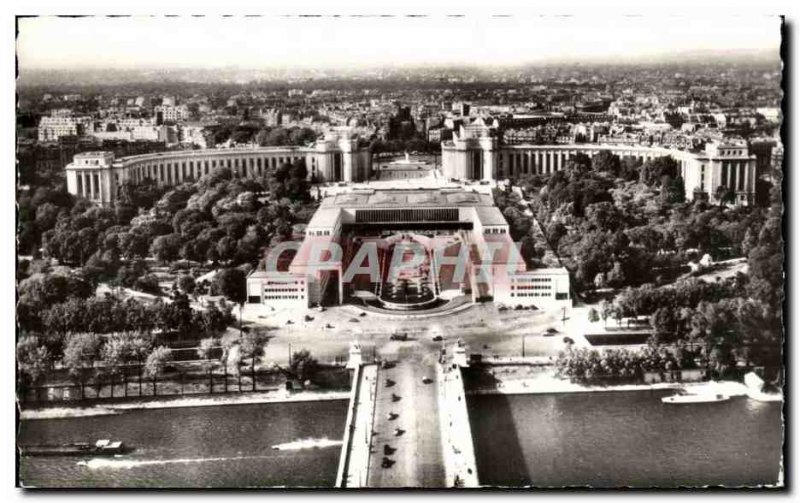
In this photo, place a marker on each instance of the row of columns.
(543, 162)
(734, 175)
(89, 184)
(172, 172)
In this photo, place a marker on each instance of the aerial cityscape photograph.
(387, 252)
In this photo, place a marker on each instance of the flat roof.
(490, 215)
(324, 217)
(405, 198)
(95, 153)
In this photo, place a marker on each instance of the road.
(417, 452)
(482, 327)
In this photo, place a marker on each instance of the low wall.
(684, 375)
(344, 456)
(354, 459)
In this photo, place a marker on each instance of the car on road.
(426, 380)
(399, 337)
(438, 338)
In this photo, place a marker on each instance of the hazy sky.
(255, 42)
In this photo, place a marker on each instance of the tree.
(118, 351)
(673, 191)
(33, 359)
(616, 276)
(630, 168)
(186, 284)
(80, 353)
(606, 162)
(665, 324)
(166, 248)
(606, 311)
(766, 266)
(230, 282)
(214, 318)
(724, 195)
(303, 366)
(594, 316)
(140, 347)
(674, 119)
(654, 170)
(148, 284)
(204, 352)
(44, 290)
(156, 361)
(251, 346)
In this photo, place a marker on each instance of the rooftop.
(407, 199)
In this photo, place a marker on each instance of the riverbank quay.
(186, 380)
(275, 396)
(516, 379)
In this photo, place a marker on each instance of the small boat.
(755, 389)
(100, 448)
(684, 397)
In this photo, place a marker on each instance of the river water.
(612, 439)
(228, 446)
(581, 439)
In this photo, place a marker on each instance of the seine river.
(624, 439)
(228, 446)
(597, 439)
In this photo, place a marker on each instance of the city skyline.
(374, 41)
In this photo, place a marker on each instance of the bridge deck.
(417, 451)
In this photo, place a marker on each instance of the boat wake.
(308, 443)
(122, 464)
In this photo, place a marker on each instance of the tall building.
(474, 153)
(166, 113)
(336, 157)
(350, 251)
(62, 123)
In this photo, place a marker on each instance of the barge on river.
(100, 448)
